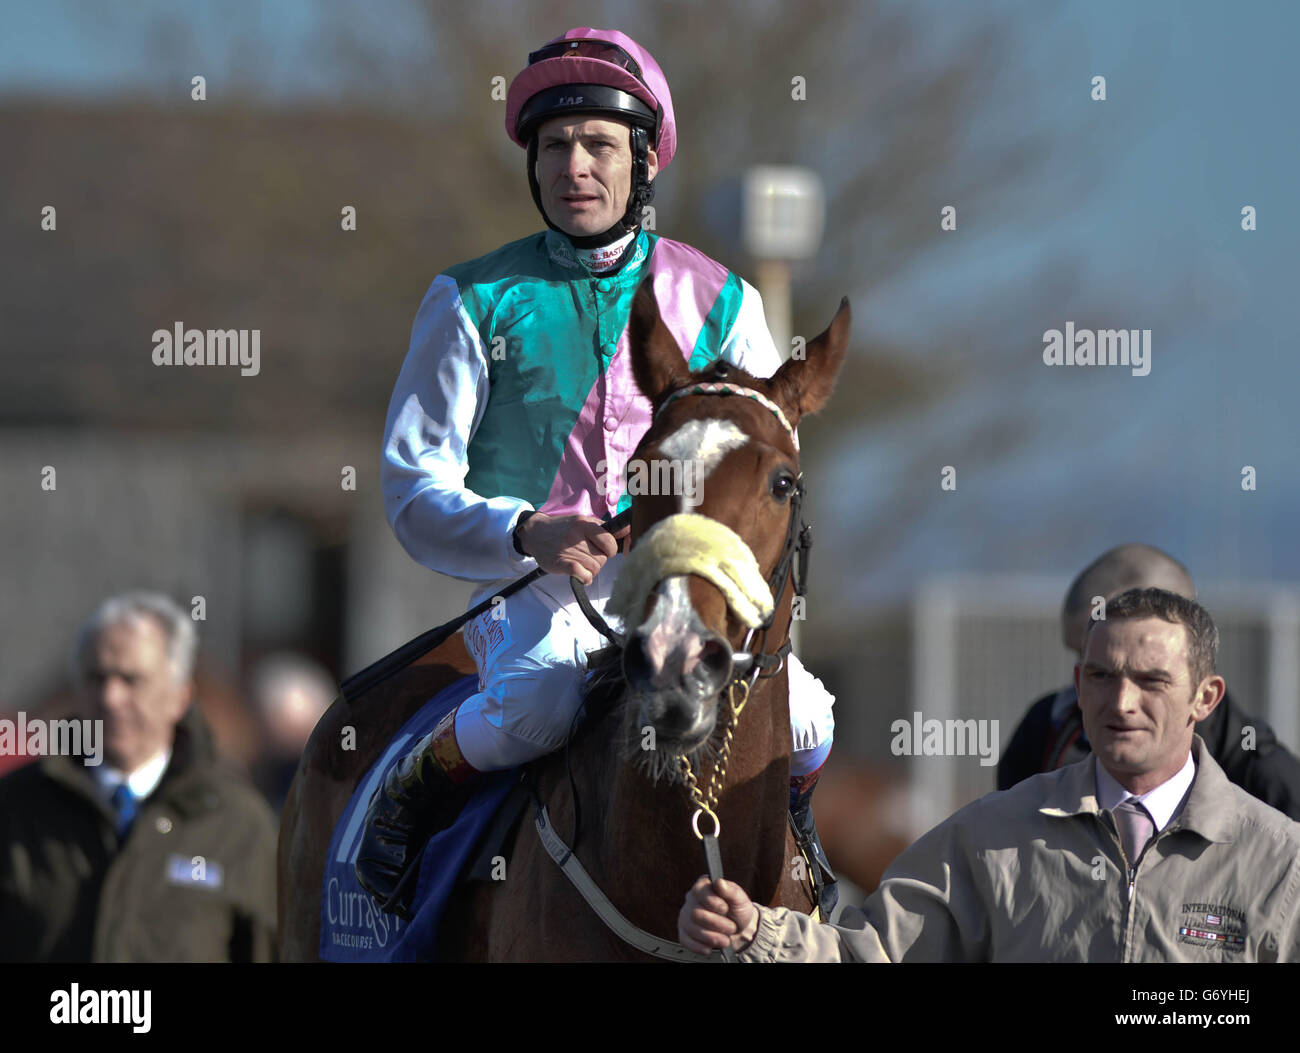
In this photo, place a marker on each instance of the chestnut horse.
(636, 839)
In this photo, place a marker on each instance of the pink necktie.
(1136, 828)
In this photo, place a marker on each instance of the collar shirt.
(143, 781)
(1161, 803)
(606, 257)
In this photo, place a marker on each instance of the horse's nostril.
(715, 661)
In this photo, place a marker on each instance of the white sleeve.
(749, 344)
(436, 407)
(812, 720)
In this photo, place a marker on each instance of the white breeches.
(531, 655)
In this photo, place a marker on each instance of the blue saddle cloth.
(352, 928)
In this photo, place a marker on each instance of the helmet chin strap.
(643, 192)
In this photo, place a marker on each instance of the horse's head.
(710, 537)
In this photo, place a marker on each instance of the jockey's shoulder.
(682, 246)
(688, 256)
(521, 256)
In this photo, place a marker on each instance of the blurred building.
(225, 491)
(251, 529)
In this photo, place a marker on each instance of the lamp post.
(783, 217)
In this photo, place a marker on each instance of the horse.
(673, 685)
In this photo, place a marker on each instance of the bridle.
(798, 540)
(753, 665)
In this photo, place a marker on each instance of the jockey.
(514, 417)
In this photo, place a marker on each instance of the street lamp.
(784, 214)
(783, 217)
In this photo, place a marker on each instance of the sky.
(1199, 120)
(88, 49)
(1203, 94)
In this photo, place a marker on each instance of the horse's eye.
(782, 486)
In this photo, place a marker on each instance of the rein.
(759, 664)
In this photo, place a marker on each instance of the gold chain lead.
(706, 804)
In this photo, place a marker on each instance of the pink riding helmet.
(575, 68)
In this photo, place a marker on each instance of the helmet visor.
(589, 98)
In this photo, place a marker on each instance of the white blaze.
(706, 442)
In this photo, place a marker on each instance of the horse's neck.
(641, 846)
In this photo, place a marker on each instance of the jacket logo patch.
(195, 871)
(486, 637)
(562, 255)
(1213, 924)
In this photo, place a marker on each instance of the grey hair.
(178, 629)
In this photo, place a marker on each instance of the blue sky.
(87, 48)
(1198, 123)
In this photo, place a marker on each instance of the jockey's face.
(584, 169)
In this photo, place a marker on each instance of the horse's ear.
(657, 361)
(804, 385)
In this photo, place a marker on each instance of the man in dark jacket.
(158, 854)
(1051, 734)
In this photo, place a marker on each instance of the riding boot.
(805, 832)
(422, 794)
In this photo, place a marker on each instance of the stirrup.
(417, 799)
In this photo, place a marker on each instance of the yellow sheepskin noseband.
(688, 543)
